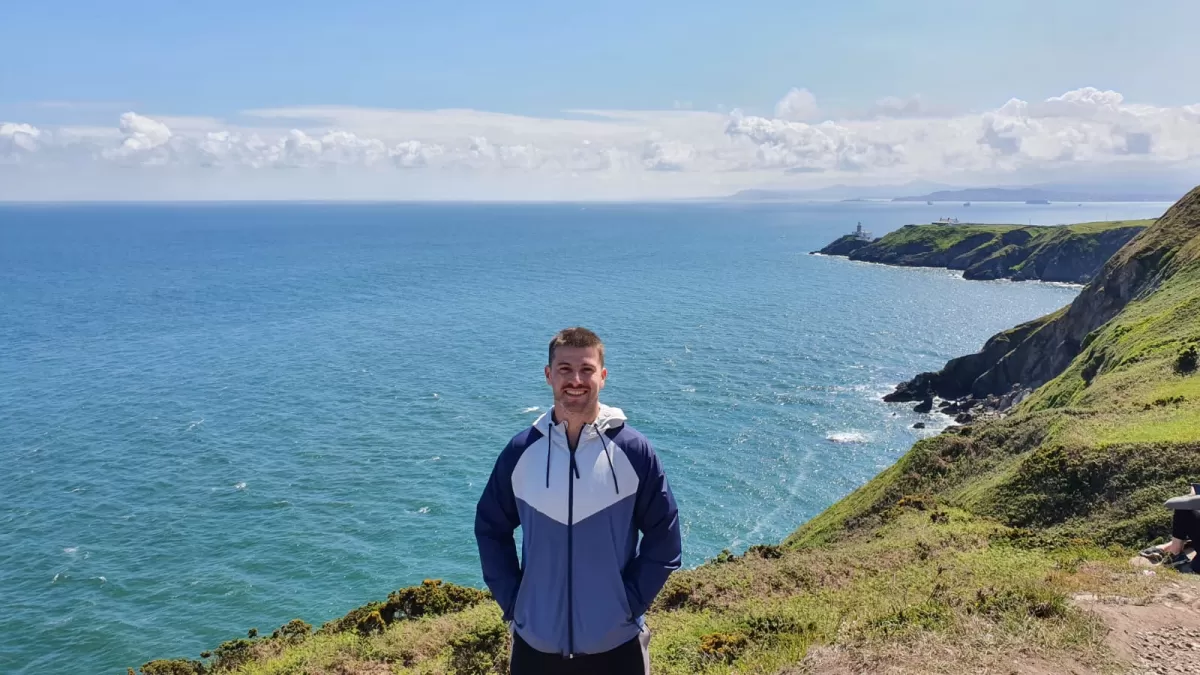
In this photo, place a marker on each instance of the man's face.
(576, 377)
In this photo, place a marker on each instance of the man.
(581, 484)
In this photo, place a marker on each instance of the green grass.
(1103, 225)
(944, 237)
(1124, 387)
(936, 572)
(1060, 253)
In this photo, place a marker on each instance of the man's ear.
(603, 377)
(547, 372)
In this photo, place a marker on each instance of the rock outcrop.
(844, 245)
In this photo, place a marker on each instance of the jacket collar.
(609, 418)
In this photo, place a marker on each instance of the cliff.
(1030, 355)
(1113, 424)
(997, 546)
(1069, 253)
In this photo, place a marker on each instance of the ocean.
(222, 416)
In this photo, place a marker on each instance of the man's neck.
(575, 422)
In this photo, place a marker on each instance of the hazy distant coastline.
(933, 193)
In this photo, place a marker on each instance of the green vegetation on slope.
(1113, 432)
(963, 554)
(975, 586)
(1068, 253)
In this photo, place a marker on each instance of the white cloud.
(17, 139)
(1087, 102)
(142, 133)
(660, 155)
(414, 154)
(619, 152)
(897, 107)
(1091, 125)
(809, 147)
(798, 105)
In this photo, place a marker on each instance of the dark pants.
(1185, 525)
(631, 658)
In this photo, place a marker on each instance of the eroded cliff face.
(1065, 258)
(1032, 354)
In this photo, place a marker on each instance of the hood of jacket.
(608, 419)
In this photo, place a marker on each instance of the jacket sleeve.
(495, 520)
(661, 549)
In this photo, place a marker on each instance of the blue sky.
(71, 69)
(218, 57)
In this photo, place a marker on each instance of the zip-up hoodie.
(583, 583)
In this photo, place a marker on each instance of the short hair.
(576, 337)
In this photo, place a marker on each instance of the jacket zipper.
(570, 552)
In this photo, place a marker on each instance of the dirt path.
(1159, 637)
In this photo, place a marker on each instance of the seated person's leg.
(1185, 526)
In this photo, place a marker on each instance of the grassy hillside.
(1095, 450)
(964, 556)
(1069, 253)
(930, 574)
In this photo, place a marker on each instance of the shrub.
(431, 598)
(363, 620)
(763, 627)
(480, 651)
(233, 653)
(1186, 362)
(292, 631)
(1072, 486)
(723, 647)
(677, 593)
(171, 667)
(765, 551)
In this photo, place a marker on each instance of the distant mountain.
(1151, 188)
(1036, 195)
(837, 192)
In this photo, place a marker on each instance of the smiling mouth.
(575, 393)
